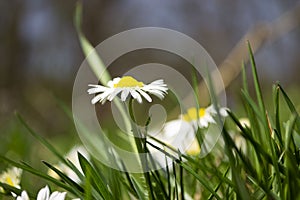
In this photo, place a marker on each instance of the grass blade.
(96, 179)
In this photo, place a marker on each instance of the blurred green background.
(40, 53)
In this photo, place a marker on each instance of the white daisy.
(12, 177)
(24, 196)
(204, 116)
(44, 194)
(245, 122)
(238, 139)
(180, 133)
(127, 85)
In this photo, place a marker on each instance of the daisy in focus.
(12, 177)
(128, 86)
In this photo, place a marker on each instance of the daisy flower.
(12, 177)
(203, 116)
(127, 86)
(44, 194)
(238, 139)
(245, 122)
(180, 133)
(24, 196)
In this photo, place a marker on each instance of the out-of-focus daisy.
(203, 116)
(177, 134)
(127, 86)
(12, 177)
(245, 122)
(73, 157)
(24, 196)
(44, 194)
(239, 140)
(180, 133)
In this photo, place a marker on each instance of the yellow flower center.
(201, 112)
(9, 181)
(192, 114)
(128, 81)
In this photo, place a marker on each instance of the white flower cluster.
(12, 177)
(44, 194)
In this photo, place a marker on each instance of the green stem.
(140, 142)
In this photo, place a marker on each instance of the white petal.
(58, 196)
(177, 133)
(14, 194)
(155, 87)
(159, 94)
(175, 127)
(136, 96)
(96, 89)
(159, 82)
(114, 81)
(44, 193)
(110, 84)
(124, 94)
(209, 118)
(211, 109)
(101, 97)
(224, 112)
(96, 99)
(145, 95)
(114, 93)
(24, 196)
(203, 123)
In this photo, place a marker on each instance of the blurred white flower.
(44, 194)
(240, 143)
(12, 177)
(245, 122)
(238, 139)
(203, 116)
(24, 196)
(127, 85)
(73, 157)
(180, 133)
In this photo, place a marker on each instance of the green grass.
(269, 168)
